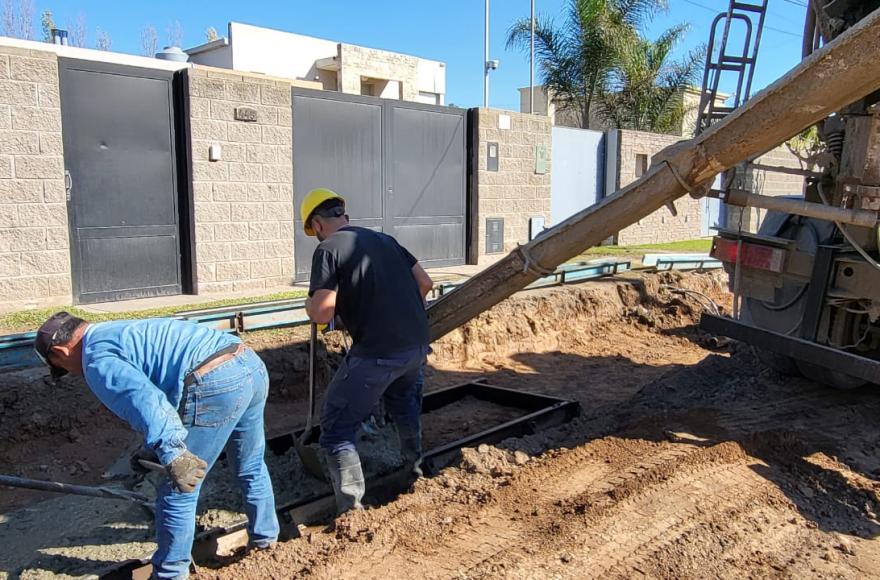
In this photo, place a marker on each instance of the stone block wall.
(660, 226)
(357, 61)
(34, 240)
(244, 202)
(766, 183)
(515, 192)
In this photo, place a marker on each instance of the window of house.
(641, 164)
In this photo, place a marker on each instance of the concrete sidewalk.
(184, 301)
(191, 301)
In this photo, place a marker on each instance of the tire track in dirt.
(491, 530)
(576, 473)
(613, 529)
(507, 526)
(640, 529)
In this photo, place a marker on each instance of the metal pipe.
(856, 217)
(532, 64)
(785, 170)
(809, 31)
(486, 59)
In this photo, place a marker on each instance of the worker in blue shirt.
(190, 391)
(378, 289)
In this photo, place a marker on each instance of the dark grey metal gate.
(119, 155)
(400, 166)
(425, 180)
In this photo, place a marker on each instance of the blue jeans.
(223, 408)
(359, 384)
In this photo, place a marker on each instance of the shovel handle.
(151, 465)
(313, 355)
(71, 489)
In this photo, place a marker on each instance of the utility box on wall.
(492, 156)
(494, 235)
(540, 159)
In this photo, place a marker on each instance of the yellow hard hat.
(311, 202)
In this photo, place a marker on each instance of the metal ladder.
(738, 62)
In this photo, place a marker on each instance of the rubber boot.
(411, 447)
(347, 478)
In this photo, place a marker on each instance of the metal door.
(425, 181)
(714, 212)
(578, 177)
(337, 143)
(119, 154)
(400, 166)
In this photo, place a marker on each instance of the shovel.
(71, 489)
(307, 453)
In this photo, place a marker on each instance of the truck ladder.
(725, 60)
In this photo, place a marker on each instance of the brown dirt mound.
(568, 317)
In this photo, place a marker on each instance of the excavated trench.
(551, 341)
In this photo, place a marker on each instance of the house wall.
(67, 51)
(515, 192)
(356, 62)
(275, 52)
(431, 80)
(660, 226)
(220, 55)
(766, 183)
(562, 117)
(243, 203)
(34, 239)
(287, 55)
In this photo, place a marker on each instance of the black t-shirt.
(377, 297)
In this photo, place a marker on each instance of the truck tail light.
(753, 255)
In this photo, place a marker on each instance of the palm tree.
(577, 60)
(646, 90)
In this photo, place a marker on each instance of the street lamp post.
(486, 60)
(532, 64)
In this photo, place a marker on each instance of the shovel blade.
(308, 455)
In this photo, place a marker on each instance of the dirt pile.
(568, 317)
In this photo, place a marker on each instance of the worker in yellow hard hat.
(377, 288)
(319, 198)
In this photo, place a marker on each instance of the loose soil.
(465, 417)
(685, 463)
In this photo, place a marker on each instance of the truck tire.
(778, 362)
(834, 379)
(785, 312)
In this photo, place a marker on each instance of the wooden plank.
(834, 76)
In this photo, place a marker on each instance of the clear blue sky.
(450, 31)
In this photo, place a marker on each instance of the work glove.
(186, 471)
(335, 324)
(140, 454)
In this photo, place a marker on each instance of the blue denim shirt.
(136, 368)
